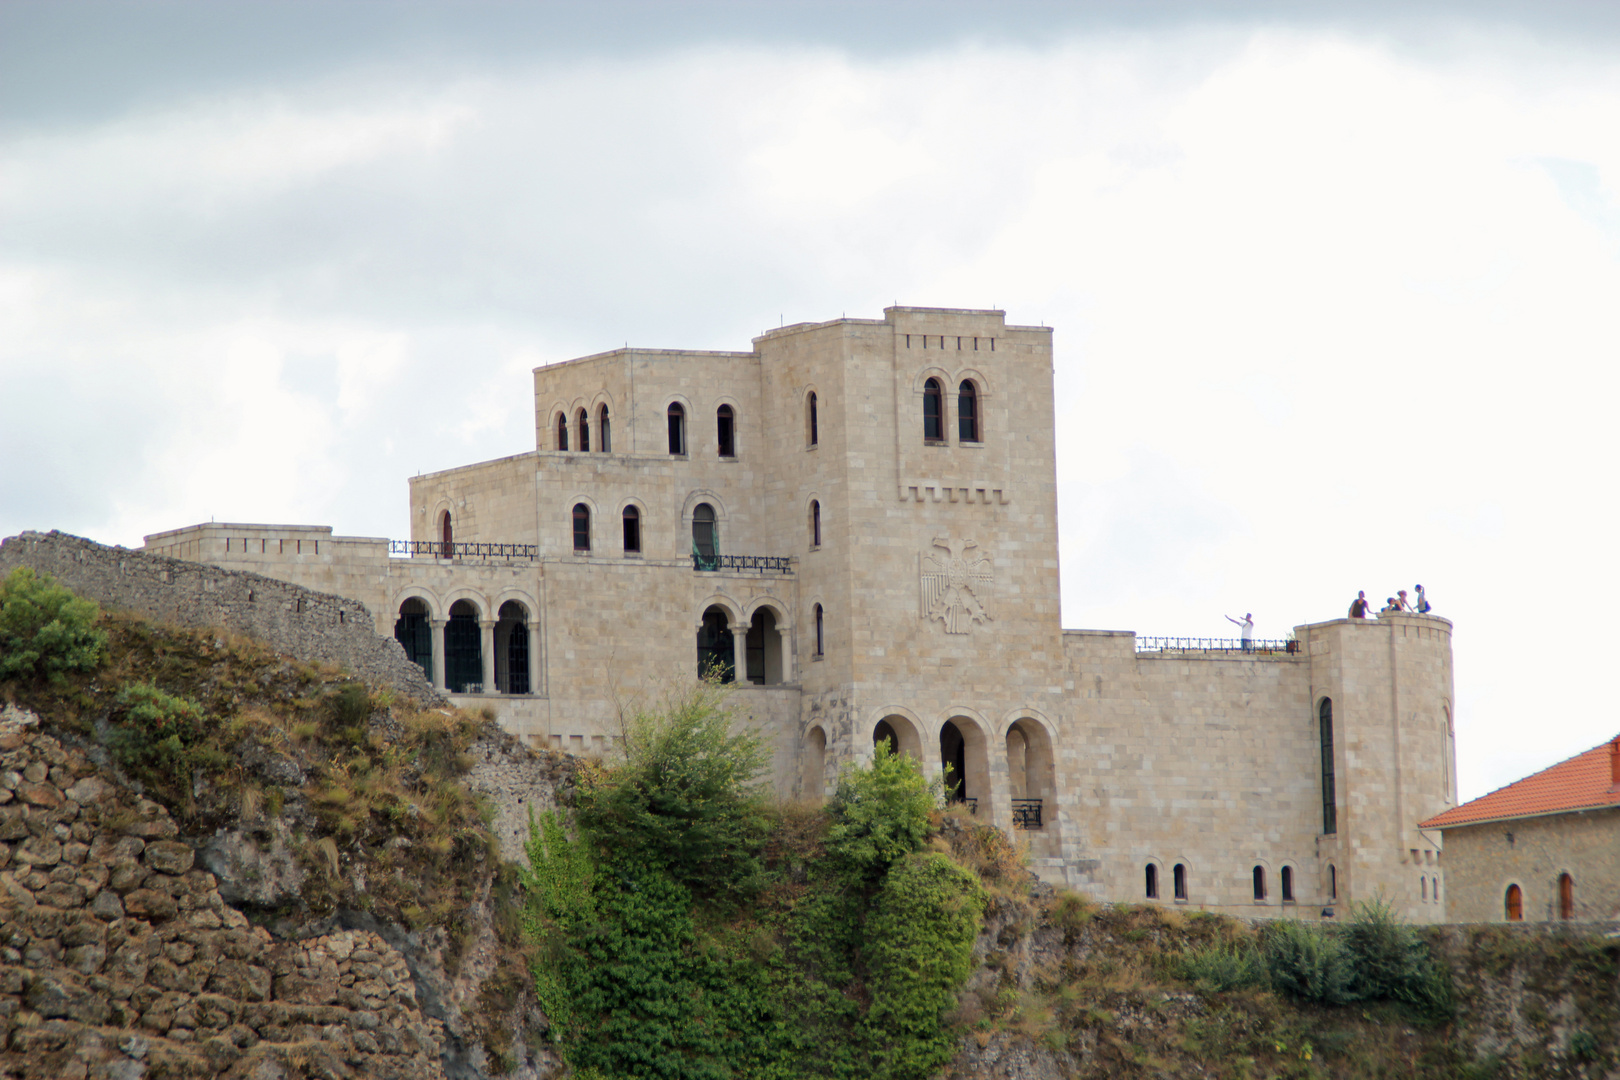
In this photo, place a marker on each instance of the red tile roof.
(1584, 781)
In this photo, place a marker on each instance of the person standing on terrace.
(1247, 623)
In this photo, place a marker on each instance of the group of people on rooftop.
(1418, 605)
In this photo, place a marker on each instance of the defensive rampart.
(310, 626)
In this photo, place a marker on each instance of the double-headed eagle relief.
(955, 585)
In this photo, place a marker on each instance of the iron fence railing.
(763, 564)
(439, 550)
(1222, 645)
(1026, 813)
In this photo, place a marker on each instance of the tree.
(45, 629)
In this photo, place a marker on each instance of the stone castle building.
(857, 522)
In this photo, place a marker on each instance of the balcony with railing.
(1231, 646)
(1026, 813)
(459, 552)
(742, 564)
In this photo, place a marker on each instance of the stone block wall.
(310, 626)
(119, 959)
(1483, 860)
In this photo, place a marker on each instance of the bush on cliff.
(45, 629)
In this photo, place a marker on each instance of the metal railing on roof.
(1221, 645)
(437, 549)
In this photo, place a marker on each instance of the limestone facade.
(1536, 855)
(860, 518)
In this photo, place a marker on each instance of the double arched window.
(677, 428)
(967, 412)
(582, 527)
(933, 411)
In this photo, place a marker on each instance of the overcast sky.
(1335, 298)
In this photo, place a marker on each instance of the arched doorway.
(814, 781)
(1514, 903)
(962, 752)
(901, 735)
(414, 632)
(763, 649)
(1566, 896)
(716, 649)
(1030, 772)
(512, 649)
(447, 537)
(463, 650)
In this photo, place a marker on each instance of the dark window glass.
(1152, 882)
(562, 432)
(1178, 881)
(814, 430)
(1330, 813)
(967, 413)
(677, 429)
(933, 411)
(517, 659)
(704, 544)
(582, 527)
(584, 433)
(722, 422)
(1259, 883)
(821, 638)
(604, 432)
(447, 539)
(414, 632)
(632, 529)
(1288, 884)
(717, 657)
(463, 649)
(1333, 882)
(815, 523)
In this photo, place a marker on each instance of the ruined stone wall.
(119, 959)
(310, 626)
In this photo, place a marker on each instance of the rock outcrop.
(119, 959)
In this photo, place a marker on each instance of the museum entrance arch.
(901, 735)
(963, 754)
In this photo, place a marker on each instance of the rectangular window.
(1330, 813)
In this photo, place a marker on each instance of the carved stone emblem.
(955, 585)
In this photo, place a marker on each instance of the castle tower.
(1382, 700)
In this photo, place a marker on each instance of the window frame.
(725, 431)
(1178, 883)
(582, 513)
(820, 632)
(815, 524)
(1150, 884)
(675, 417)
(1258, 876)
(970, 427)
(604, 438)
(812, 419)
(562, 431)
(933, 394)
(630, 522)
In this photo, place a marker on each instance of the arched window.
(414, 632)
(821, 636)
(1259, 883)
(562, 431)
(1423, 889)
(1288, 884)
(1436, 882)
(1566, 896)
(582, 527)
(464, 650)
(933, 411)
(512, 649)
(1330, 812)
(447, 537)
(1333, 882)
(723, 417)
(810, 419)
(1152, 891)
(677, 429)
(717, 657)
(1178, 881)
(584, 423)
(604, 430)
(815, 523)
(705, 544)
(967, 412)
(632, 530)
(1514, 904)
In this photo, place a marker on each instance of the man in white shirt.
(1247, 623)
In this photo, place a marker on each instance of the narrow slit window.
(1178, 881)
(582, 527)
(821, 636)
(562, 431)
(1333, 882)
(1330, 813)
(604, 431)
(815, 523)
(724, 422)
(1566, 896)
(933, 411)
(632, 530)
(810, 406)
(967, 412)
(584, 432)
(1288, 884)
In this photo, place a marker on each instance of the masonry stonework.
(1534, 853)
(871, 550)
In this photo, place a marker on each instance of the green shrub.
(920, 951)
(1393, 964)
(880, 812)
(687, 797)
(45, 629)
(1219, 968)
(1308, 961)
(162, 738)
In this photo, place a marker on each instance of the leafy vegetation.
(45, 630)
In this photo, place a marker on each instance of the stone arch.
(1262, 883)
(964, 745)
(514, 642)
(904, 731)
(920, 378)
(980, 381)
(1031, 768)
(428, 596)
(766, 653)
(464, 643)
(813, 764)
(716, 644)
(703, 495)
(413, 629)
(1155, 885)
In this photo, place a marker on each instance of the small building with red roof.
(1542, 849)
